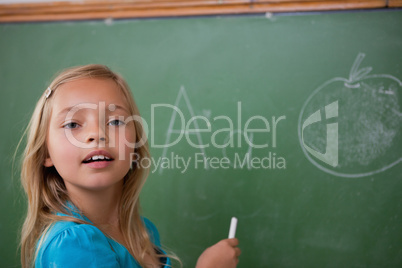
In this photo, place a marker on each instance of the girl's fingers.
(233, 242)
(237, 252)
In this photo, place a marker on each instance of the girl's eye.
(116, 122)
(70, 125)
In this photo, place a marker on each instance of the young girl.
(82, 188)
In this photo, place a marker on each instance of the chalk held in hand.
(233, 225)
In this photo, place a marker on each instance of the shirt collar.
(72, 210)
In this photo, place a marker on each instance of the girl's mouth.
(97, 158)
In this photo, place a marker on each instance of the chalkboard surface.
(291, 123)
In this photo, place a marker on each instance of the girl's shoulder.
(71, 244)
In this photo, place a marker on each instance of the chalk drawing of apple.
(352, 127)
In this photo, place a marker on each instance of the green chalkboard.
(301, 120)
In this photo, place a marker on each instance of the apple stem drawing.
(356, 74)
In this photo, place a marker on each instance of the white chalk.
(233, 225)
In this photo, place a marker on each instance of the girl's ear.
(48, 162)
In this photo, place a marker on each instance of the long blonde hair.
(45, 188)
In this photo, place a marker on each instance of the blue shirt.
(70, 244)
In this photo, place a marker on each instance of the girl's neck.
(100, 207)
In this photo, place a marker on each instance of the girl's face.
(90, 137)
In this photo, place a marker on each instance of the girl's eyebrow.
(114, 107)
(64, 111)
(110, 108)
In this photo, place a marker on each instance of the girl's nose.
(96, 134)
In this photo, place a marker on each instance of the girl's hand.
(224, 254)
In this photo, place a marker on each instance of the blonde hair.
(45, 188)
